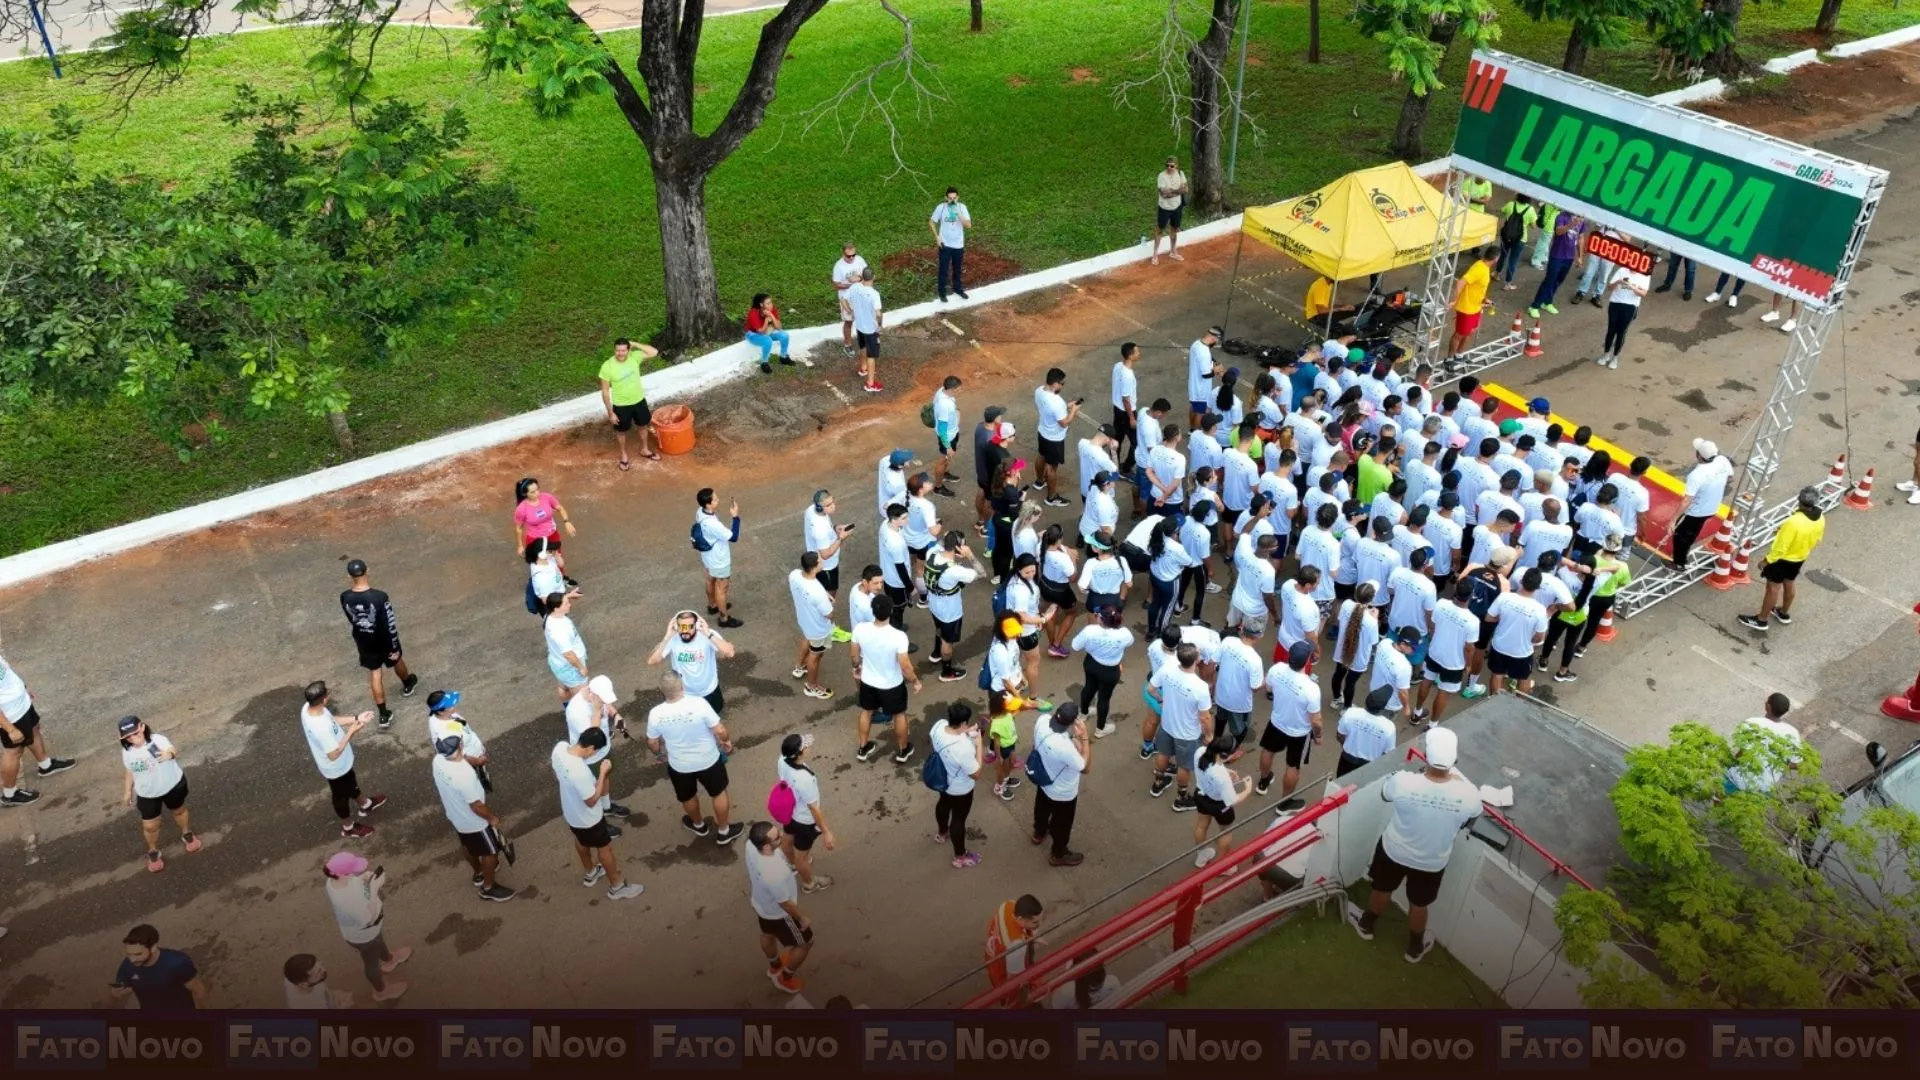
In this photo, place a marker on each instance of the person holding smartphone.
(353, 888)
(154, 781)
(1056, 416)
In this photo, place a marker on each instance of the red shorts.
(1464, 323)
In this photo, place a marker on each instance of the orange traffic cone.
(1741, 560)
(1861, 497)
(1605, 632)
(1519, 325)
(1837, 476)
(1722, 572)
(1533, 348)
(1721, 542)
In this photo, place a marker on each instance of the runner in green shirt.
(1374, 476)
(625, 396)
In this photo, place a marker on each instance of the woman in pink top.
(539, 516)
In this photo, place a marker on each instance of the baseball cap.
(1102, 478)
(448, 745)
(1443, 748)
(1233, 373)
(793, 745)
(1215, 331)
(899, 458)
(1540, 406)
(1705, 448)
(602, 688)
(345, 864)
(129, 725)
(1378, 699)
(1333, 349)
(1107, 430)
(1355, 357)
(1508, 427)
(1003, 433)
(1011, 626)
(1298, 655)
(1613, 542)
(1065, 716)
(358, 567)
(1408, 636)
(442, 700)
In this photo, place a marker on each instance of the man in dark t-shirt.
(161, 980)
(989, 450)
(376, 634)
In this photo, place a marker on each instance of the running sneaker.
(1566, 676)
(1549, 309)
(1473, 690)
(1057, 500)
(407, 685)
(799, 673)
(1183, 802)
(614, 831)
(1264, 785)
(1753, 623)
(1414, 956)
(1057, 652)
(1160, 785)
(20, 797)
(865, 753)
(391, 993)
(479, 880)
(1101, 731)
(953, 674)
(848, 350)
(373, 804)
(1788, 326)
(729, 834)
(55, 765)
(962, 294)
(1713, 298)
(155, 863)
(904, 756)
(1003, 791)
(945, 492)
(819, 882)
(386, 718)
(873, 388)
(1533, 313)
(970, 859)
(499, 894)
(1146, 750)
(1038, 485)
(821, 692)
(1203, 857)
(1781, 615)
(1906, 485)
(1214, 588)
(1354, 912)
(788, 983)
(356, 831)
(941, 838)
(191, 841)
(1071, 858)
(1294, 803)
(626, 891)
(617, 810)
(730, 623)
(697, 828)
(593, 876)
(1579, 652)
(1014, 781)
(1771, 316)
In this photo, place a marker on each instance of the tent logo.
(1307, 207)
(1389, 210)
(1484, 81)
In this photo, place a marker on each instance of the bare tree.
(978, 17)
(562, 60)
(1189, 76)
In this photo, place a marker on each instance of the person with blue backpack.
(951, 770)
(714, 541)
(1062, 753)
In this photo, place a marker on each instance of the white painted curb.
(1780, 65)
(1892, 39)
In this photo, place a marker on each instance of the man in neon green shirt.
(1798, 536)
(625, 396)
(1581, 622)
(1375, 477)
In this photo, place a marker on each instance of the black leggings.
(1101, 679)
(345, 791)
(1577, 637)
(1002, 548)
(1619, 317)
(950, 817)
(1055, 820)
(1195, 578)
(899, 598)
(1345, 682)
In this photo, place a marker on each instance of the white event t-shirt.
(686, 727)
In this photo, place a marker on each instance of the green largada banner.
(1766, 210)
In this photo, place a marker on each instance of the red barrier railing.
(1559, 867)
(1176, 906)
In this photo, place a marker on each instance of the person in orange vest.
(1010, 937)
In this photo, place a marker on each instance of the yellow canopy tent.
(1366, 222)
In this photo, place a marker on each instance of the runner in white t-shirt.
(824, 538)
(883, 669)
(693, 650)
(813, 611)
(331, 744)
(583, 794)
(1430, 808)
(465, 803)
(845, 273)
(809, 822)
(20, 733)
(154, 782)
(1186, 715)
(1217, 790)
(717, 557)
(696, 743)
(786, 936)
(1456, 629)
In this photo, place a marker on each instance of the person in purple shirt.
(1567, 232)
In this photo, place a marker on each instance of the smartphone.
(852, 526)
(1079, 401)
(379, 871)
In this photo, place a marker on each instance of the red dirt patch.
(1082, 76)
(1018, 81)
(982, 267)
(1821, 100)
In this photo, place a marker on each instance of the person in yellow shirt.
(1319, 302)
(1470, 299)
(1798, 536)
(624, 394)
(1479, 191)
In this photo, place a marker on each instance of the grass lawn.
(1051, 168)
(1316, 962)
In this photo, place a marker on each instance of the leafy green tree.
(1591, 24)
(548, 46)
(1417, 35)
(259, 286)
(1764, 898)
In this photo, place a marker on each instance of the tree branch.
(1173, 57)
(625, 94)
(908, 72)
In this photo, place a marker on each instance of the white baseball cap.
(602, 688)
(1706, 449)
(1443, 748)
(1332, 349)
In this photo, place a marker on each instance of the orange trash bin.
(674, 425)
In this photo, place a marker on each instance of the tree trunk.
(342, 434)
(977, 16)
(1576, 57)
(1207, 64)
(1727, 61)
(694, 315)
(1313, 31)
(1829, 17)
(1409, 134)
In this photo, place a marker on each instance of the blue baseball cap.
(442, 700)
(1539, 405)
(899, 458)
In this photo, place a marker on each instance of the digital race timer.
(1601, 246)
